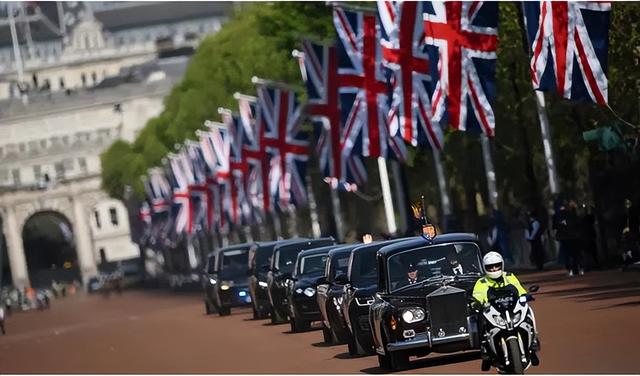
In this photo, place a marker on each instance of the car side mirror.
(534, 288)
(342, 279)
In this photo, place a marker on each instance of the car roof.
(420, 241)
(344, 248)
(375, 246)
(269, 245)
(230, 248)
(302, 242)
(318, 250)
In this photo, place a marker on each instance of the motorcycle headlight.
(212, 281)
(499, 320)
(224, 287)
(517, 317)
(414, 314)
(309, 291)
(262, 284)
(366, 301)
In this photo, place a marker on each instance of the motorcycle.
(510, 330)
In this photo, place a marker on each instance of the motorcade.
(225, 279)
(279, 276)
(259, 264)
(308, 272)
(359, 294)
(510, 330)
(330, 293)
(424, 297)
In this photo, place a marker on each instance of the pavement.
(587, 324)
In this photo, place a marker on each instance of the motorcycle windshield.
(503, 298)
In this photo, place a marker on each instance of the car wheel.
(225, 311)
(399, 360)
(326, 335)
(351, 345)
(299, 325)
(276, 318)
(359, 348)
(384, 362)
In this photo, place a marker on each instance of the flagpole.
(442, 185)
(546, 142)
(400, 197)
(313, 209)
(386, 196)
(337, 212)
(489, 170)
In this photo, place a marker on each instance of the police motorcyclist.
(496, 277)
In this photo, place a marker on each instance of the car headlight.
(224, 287)
(499, 320)
(412, 315)
(262, 284)
(298, 291)
(309, 291)
(212, 281)
(365, 301)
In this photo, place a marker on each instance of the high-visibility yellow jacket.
(483, 284)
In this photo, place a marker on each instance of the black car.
(303, 305)
(283, 261)
(225, 279)
(359, 293)
(330, 294)
(422, 306)
(259, 264)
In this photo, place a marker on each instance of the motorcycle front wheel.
(516, 367)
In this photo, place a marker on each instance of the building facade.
(99, 82)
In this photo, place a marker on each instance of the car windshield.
(233, 263)
(312, 264)
(339, 265)
(364, 269)
(285, 259)
(415, 265)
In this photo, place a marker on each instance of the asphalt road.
(588, 324)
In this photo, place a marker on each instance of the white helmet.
(493, 258)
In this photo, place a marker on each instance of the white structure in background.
(72, 45)
(113, 84)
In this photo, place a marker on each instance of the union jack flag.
(255, 155)
(181, 179)
(238, 209)
(285, 141)
(215, 144)
(198, 189)
(466, 36)
(569, 43)
(319, 69)
(158, 193)
(403, 52)
(363, 87)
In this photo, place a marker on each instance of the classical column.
(15, 249)
(83, 241)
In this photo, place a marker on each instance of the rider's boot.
(535, 347)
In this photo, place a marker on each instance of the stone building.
(57, 222)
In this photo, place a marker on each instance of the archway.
(49, 249)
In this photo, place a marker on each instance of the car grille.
(447, 312)
(363, 322)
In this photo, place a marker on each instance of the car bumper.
(307, 308)
(235, 296)
(422, 340)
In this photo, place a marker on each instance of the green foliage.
(259, 37)
(257, 41)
